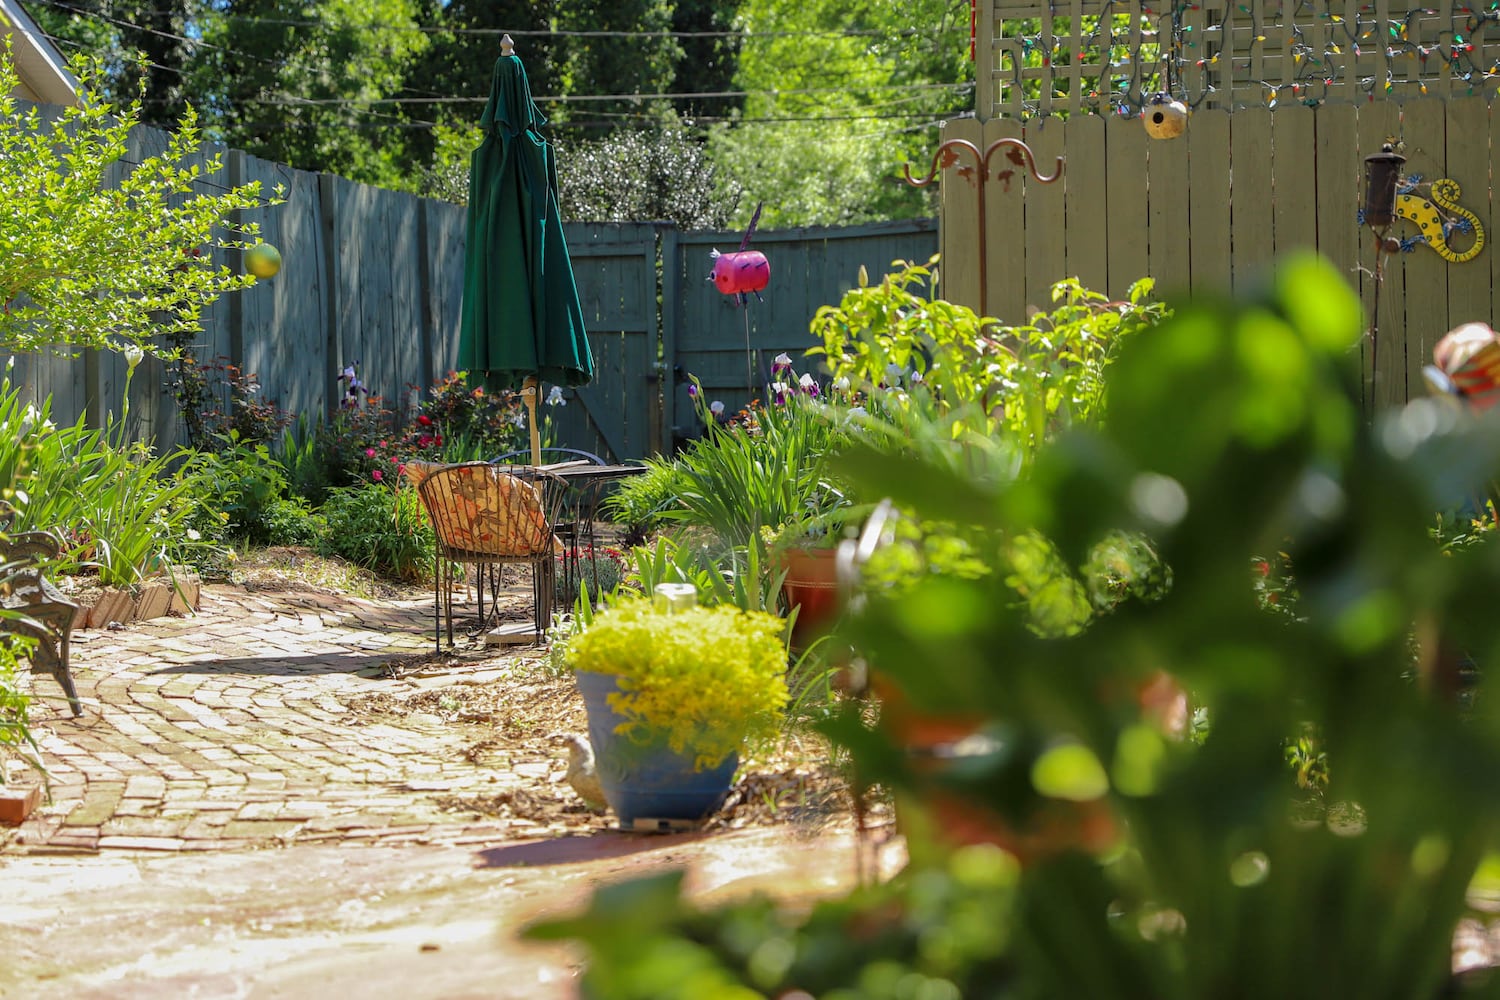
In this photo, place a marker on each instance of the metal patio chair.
(492, 516)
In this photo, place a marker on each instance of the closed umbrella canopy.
(521, 315)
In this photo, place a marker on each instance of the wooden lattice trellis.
(1110, 56)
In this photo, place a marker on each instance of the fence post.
(234, 259)
(328, 210)
(664, 427)
(428, 333)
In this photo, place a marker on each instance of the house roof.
(43, 70)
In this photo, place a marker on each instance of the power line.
(536, 32)
(581, 98)
(363, 105)
(613, 118)
(294, 102)
(612, 123)
(549, 98)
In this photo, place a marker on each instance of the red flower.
(424, 420)
(424, 440)
(1262, 567)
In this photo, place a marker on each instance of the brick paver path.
(229, 728)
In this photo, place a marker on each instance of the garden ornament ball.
(1467, 365)
(1164, 118)
(263, 260)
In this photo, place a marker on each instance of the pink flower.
(424, 440)
(369, 453)
(377, 475)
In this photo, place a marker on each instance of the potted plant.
(671, 700)
(803, 550)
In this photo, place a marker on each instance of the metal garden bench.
(43, 612)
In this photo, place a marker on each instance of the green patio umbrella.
(522, 323)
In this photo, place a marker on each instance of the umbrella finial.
(507, 46)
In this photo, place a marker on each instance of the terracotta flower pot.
(936, 819)
(811, 586)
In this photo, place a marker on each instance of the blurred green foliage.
(1234, 430)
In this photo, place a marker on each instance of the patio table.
(587, 483)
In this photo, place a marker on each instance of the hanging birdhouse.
(1164, 118)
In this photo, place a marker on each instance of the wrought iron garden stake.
(978, 175)
(1382, 171)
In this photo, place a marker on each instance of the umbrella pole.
(528, 396)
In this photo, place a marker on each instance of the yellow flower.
(704, 679)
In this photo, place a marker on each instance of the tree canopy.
(808, 105)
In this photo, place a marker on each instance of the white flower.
(134, 355)
(555, 397)
(783, 360)
(916, 376)
(841, 383)
(31, 420)
(716, 407)
(893, 373)
(858, 411)
(780, 388)
(518, 419)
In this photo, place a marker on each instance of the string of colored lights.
(1124, 53)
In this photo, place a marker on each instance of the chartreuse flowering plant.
(703, 679)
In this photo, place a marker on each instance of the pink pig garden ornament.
(741, 271)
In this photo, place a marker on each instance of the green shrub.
(16, 737)
(123, 511)
(367, 442)
(300, 453)
(769, 470)
(642, 502)
(104, 240)
(890, 342)
(291, 521)
(1207, 843)
(243, 482)
(379, 528)
(600, 571)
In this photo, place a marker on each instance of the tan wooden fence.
(1209, 211)
(1035, 58)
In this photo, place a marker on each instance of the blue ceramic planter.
(647, 783)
